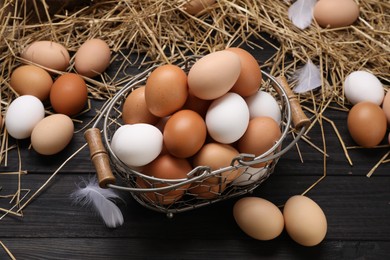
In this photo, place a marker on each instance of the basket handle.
(99, 157)
(298, 116)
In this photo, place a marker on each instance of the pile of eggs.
(369, 116)
(206, 117)
(67, 94)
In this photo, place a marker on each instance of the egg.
(218, 156)
(250, 176)
(249, 80)
(31, 80)
(261, 135)
(214, 74)
(206, 190)
(69, 94)
(193, 7)
(165, 167)
(305, 222)
(367, 124)
(335, 13)
(263, 103)
(135, 110)
(137, 144)
(258, 218)
(92, 58)
(227, 118)
(52, 134)
(48, 54)
(363, 86)
(184, 133)
(166, 90)
(196, 104)
(22, 115)
(386, 106)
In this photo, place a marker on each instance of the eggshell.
(250, 176)
(386, 106)
(166, 90)
(48, 54)
(166, 167)
(335, 13)
(52, 134)
(31, 80)
(92, 58)
(214, 74)
(22, 116)
(263, 103)
(250, 77)
(193, 7)
(305, 221)
(69, 94)
(218, 156)
(363, 86)
(137, 144)
(206, 190)
(367, 124)
(184, 133)
(258, 218)
(196, 104)
(227, 118)
(135, 110)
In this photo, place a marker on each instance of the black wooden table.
(357, 209)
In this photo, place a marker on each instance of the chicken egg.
(367, 124)
(22, 115)
(31, 80)
(305, 221)
(52, 134)
(193, 7)
(386, 106)
(166, 90)
(48, 54)
(335, 13)
(258, 218)
(206, 190)
(92, 58)
(263, 104)
(250, 176)
(69, 94)
(363, 86)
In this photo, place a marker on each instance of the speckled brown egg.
(135, 110)
(69, 94)
(367, 124)
(31, 80)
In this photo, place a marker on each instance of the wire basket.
(202, 186)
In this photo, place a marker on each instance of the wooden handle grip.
(298, 116)
(99, 157)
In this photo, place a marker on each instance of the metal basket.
(178, 195)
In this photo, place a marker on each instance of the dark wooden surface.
(357, 209)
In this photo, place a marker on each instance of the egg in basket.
(189, 135)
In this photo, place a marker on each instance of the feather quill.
(301, 13)
(309, 77)
(89, 194)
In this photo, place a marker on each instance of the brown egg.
(196, 104)
(195, 6)
(69, 94)
(31, 80)
(217, 156)
(335, 13)
(305, 221)
(386, 106)
(184, 133)
(206, 190)
(260, 136)
(249, 81)
(166, 167)
(166, 90)
(49, 54)
(92, 58)
(367, 124)
(135, 110)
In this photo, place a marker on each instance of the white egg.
(22, 115)
(250, 175)
(138, 144)
(363, 86)
(227, 118)
(263, 104)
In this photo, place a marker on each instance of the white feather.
(101, 200)
(309, 77)
(301, 13)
